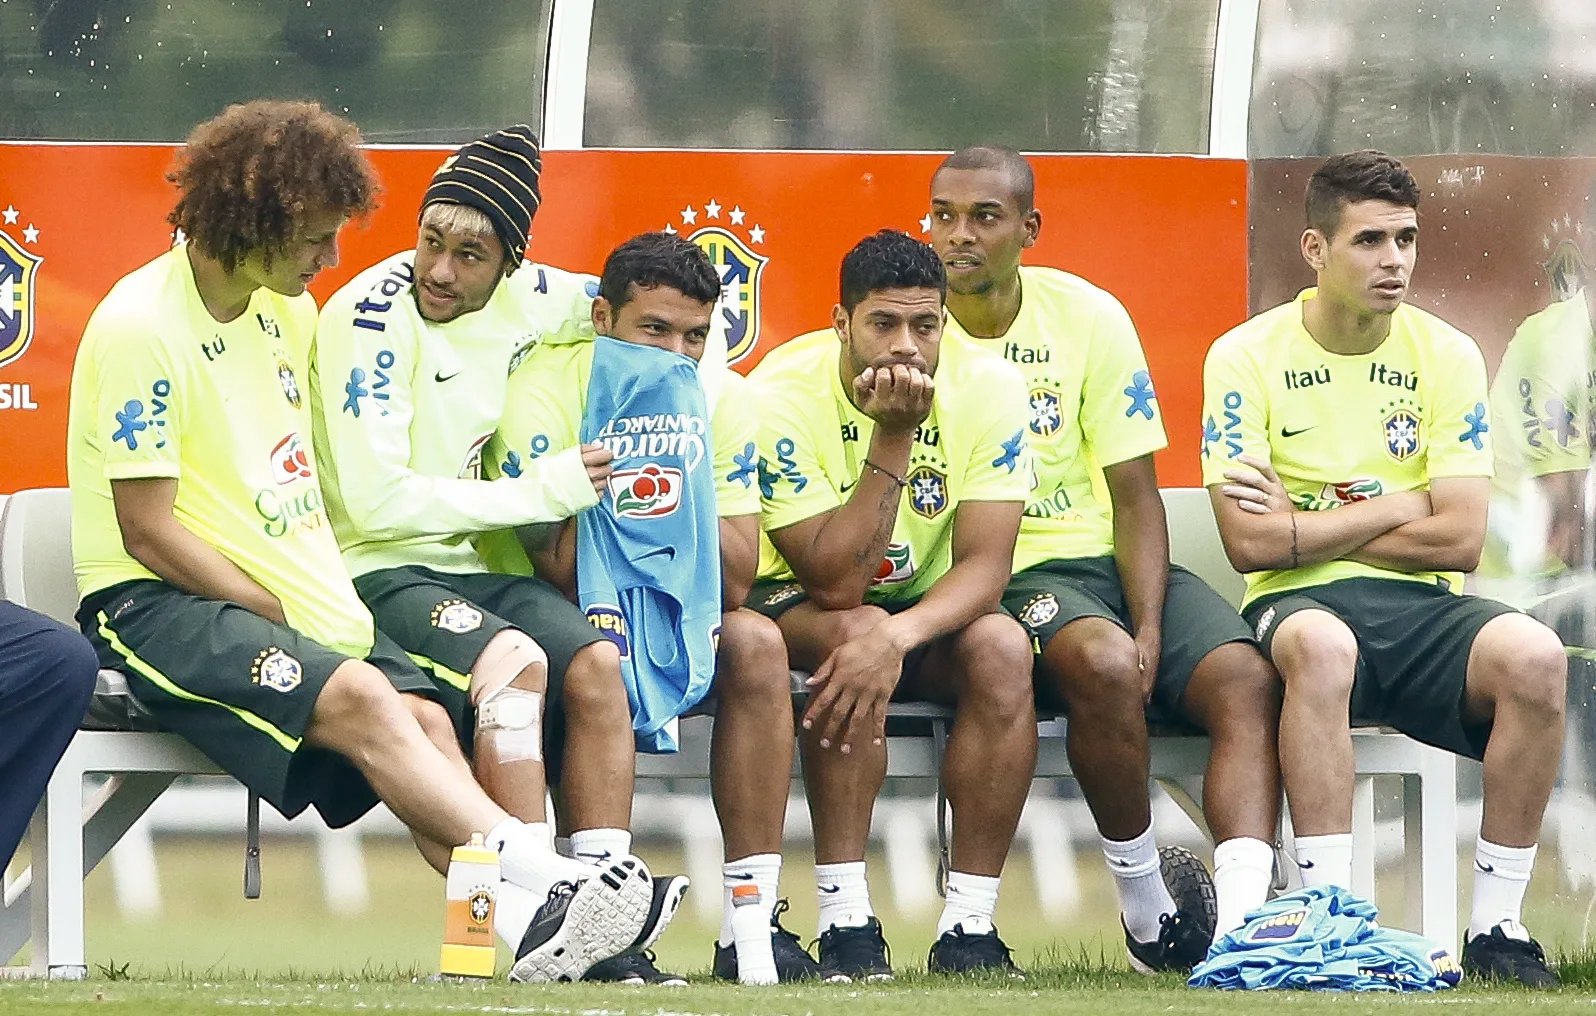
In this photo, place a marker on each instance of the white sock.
(562, 846)
(513, 910)
(598, 846)
(1326, 860)
(1143, 898)
(526, 860)
(1244, 868)
(1501, 874)
(763, 870)
(972, 900)
(844, 895)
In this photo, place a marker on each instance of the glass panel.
(140, 70)
(1090, 75)
(1425, 76)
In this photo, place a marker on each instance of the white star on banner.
(756, 235)
(10, 214)
(30, 235)
(925, 224)
(737, 215)
(712, 210)
(670, 229)
(689, 215)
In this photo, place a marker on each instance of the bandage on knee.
(511, 717)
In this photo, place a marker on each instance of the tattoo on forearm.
(886, 518)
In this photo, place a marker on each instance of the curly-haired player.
(895, 471)
(209, 571)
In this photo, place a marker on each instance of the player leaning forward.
(894, 473)
(209, 571)
(1121, 637)
(1346, 450)
(408, 381)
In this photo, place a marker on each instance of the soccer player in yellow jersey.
(1346, 448)
(660, 290)
(893, 476)
(1543, 404)
(408, 382)
(209, 571)
(1121, 637)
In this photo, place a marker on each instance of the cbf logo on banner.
(736, 315)
(19, 272)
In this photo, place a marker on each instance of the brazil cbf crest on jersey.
(1046, 416)
(928, 492)
(19, 273)
(736, 317)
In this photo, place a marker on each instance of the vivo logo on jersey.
(290, 460)
(651, 492)
(662, 434)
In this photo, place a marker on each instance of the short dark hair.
(247, 178)
(1357, 176)
(890, 260)
(658, 259)
(999, 157)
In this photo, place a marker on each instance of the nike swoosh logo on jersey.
(829, 889)
(1287, 432)
(440, 379)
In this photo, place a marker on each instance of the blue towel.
(1327, 938)
(648, 554)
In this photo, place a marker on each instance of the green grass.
(210, 950)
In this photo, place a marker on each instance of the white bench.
(71, 834)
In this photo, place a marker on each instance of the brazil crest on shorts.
(18, 275)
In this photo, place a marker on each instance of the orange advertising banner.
(1166, 234)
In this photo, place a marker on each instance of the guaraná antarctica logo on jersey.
(457, 617)
(651, 492)
(19, 291)
(609, 620)
(276, 670)
(1334, 495)
(471, 469)
(737, 312)
(291, 460)
(1564, 265)
(897, 566)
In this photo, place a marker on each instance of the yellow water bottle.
(470, 890)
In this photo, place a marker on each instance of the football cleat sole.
(604, 918)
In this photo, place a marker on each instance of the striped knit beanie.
(498, 176)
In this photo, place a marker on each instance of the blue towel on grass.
(648, 554)
(1325, 938)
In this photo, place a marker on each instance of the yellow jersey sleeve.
(1459, 438)
(1235, 410)
(138, 399)
(1000, 467)
(735, 428)
(793, 486)
(1539, 400)
(1120, 418)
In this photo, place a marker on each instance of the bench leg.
(57, 888)
(1429, 819)
(1363, 846)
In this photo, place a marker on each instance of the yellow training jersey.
(1340, 429)
(161, 389)
(1091, 405)
(813, 441)
(543, 414)
(1541, 403)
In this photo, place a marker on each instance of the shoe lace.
(856, 948)
(560, 894)
(781, 907)
(987, 948)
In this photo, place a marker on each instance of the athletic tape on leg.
(510, 717)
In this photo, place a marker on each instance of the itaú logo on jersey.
(290, 460)
(896, 566)
(651, 492)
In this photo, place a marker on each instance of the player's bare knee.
(1531, 666)
(995, 655)
(432, 717)
(752, 660)
(592, 683)
(1239, 693)
(1316, 653)
(1103, 670)
(357, 704)
(511, 658)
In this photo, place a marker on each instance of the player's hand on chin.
(897, 397)
(1255, 487)
(852, 689)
